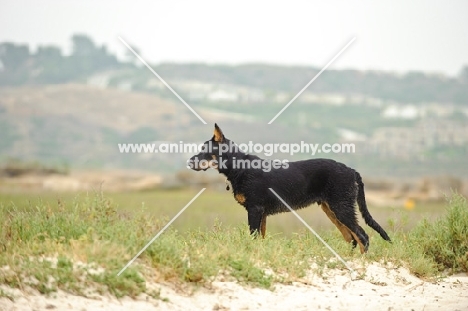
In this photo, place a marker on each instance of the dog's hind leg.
(363, 239)
(263, 225)
(346, 215)
(343, 229)
(359, 235)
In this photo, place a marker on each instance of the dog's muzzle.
(195, 165)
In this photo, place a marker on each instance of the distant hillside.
(18, 66)
(74, 110)
(81, 125)
(413, 87)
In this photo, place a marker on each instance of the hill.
(75, 109)
(82, 125)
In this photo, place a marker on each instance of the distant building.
(408, 142)
(223, 95)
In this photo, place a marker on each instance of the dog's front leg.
(255, 215)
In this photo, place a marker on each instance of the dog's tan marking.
(213, 163)
(240, 198)
(345, 231)
(218, 134)
(263, 225)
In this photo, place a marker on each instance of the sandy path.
(382, 288)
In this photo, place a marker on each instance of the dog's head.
(210, 153)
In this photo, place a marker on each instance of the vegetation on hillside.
(48, 65)
(15, 167)
(19, 66)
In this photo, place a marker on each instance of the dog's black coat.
(329, 183)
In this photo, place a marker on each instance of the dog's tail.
(361, 200)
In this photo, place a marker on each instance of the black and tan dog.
(326, 182)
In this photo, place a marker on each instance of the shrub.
(446, 240)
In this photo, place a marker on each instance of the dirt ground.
(382, 287)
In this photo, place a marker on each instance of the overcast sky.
(390, 35)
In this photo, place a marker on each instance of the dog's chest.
(240, 198)
(237, 192)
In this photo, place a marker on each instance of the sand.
(382, 287)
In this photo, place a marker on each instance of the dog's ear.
(218, 134)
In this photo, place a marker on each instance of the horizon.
(122, 59)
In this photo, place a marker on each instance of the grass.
(213, 206)
(80, 243)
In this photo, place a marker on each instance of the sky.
(398, 36)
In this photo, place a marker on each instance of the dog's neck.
(231, 172)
